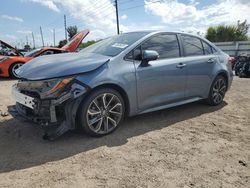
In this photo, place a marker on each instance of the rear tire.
(101, 112)
(217, 91)
(13, 68)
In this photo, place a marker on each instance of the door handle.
(210, 60)
(180, 65)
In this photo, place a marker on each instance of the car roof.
(164, 31)
(152, 32)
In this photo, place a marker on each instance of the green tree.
(86, 44)
(62, 43)
(226, 33)
(72, 30)
(27, 47)
(242, 29)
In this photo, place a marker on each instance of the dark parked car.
(242, 65)
(124, 75)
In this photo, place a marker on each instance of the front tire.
(217, 91)
(101, 112)
(13, 68)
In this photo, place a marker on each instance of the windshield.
(32, 53)
(114, 45)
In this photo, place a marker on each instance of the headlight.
(3, 59)
(46, 88)
(54, 86)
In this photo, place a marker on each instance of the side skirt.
(171, 105)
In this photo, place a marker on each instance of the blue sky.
(18, 18)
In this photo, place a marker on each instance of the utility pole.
(27, 40)
(65, 27)
(54, 37)
(117, 17)
(34, 45)
(41, 35)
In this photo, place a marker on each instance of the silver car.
(124, 75)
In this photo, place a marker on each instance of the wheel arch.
(10, 66)
(223, 74)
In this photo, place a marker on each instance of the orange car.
(8, 64)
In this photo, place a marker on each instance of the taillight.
(231, 60)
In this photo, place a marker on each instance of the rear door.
(200, 61)
(163, 81)
(75, 41)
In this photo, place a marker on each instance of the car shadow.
(22, 146)
(7, 79)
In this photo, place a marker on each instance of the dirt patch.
(194, 145)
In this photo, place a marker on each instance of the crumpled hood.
(60, 65)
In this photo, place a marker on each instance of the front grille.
(31, 93)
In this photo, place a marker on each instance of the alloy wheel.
(104, 113)
(14, 68)
(219, 90)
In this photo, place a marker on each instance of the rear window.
(207, 48)
(192, 46)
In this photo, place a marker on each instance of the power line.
(92, 13)
(133, 7)
(101, 9)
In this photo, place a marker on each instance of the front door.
(162, 81)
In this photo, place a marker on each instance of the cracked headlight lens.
(46, 88)
(56, 85)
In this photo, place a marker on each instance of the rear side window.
(192, 46)
(207, 48)
(165, 44)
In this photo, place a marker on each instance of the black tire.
(13, 68)
(85, 114)
(217, 91)
(236, 72)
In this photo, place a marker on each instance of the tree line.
(226, 33)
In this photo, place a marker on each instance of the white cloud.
(12, 18)
(24, 32)
(48, 3)
(99, 17)
(176, 14)
(12, 37)
(124, 17)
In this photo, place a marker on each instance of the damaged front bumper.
(56, 115)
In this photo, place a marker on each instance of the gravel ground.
(192, 145)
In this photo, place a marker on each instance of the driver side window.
(166, 45)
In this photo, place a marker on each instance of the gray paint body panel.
(159, 85)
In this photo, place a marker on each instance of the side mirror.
(149, 55)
